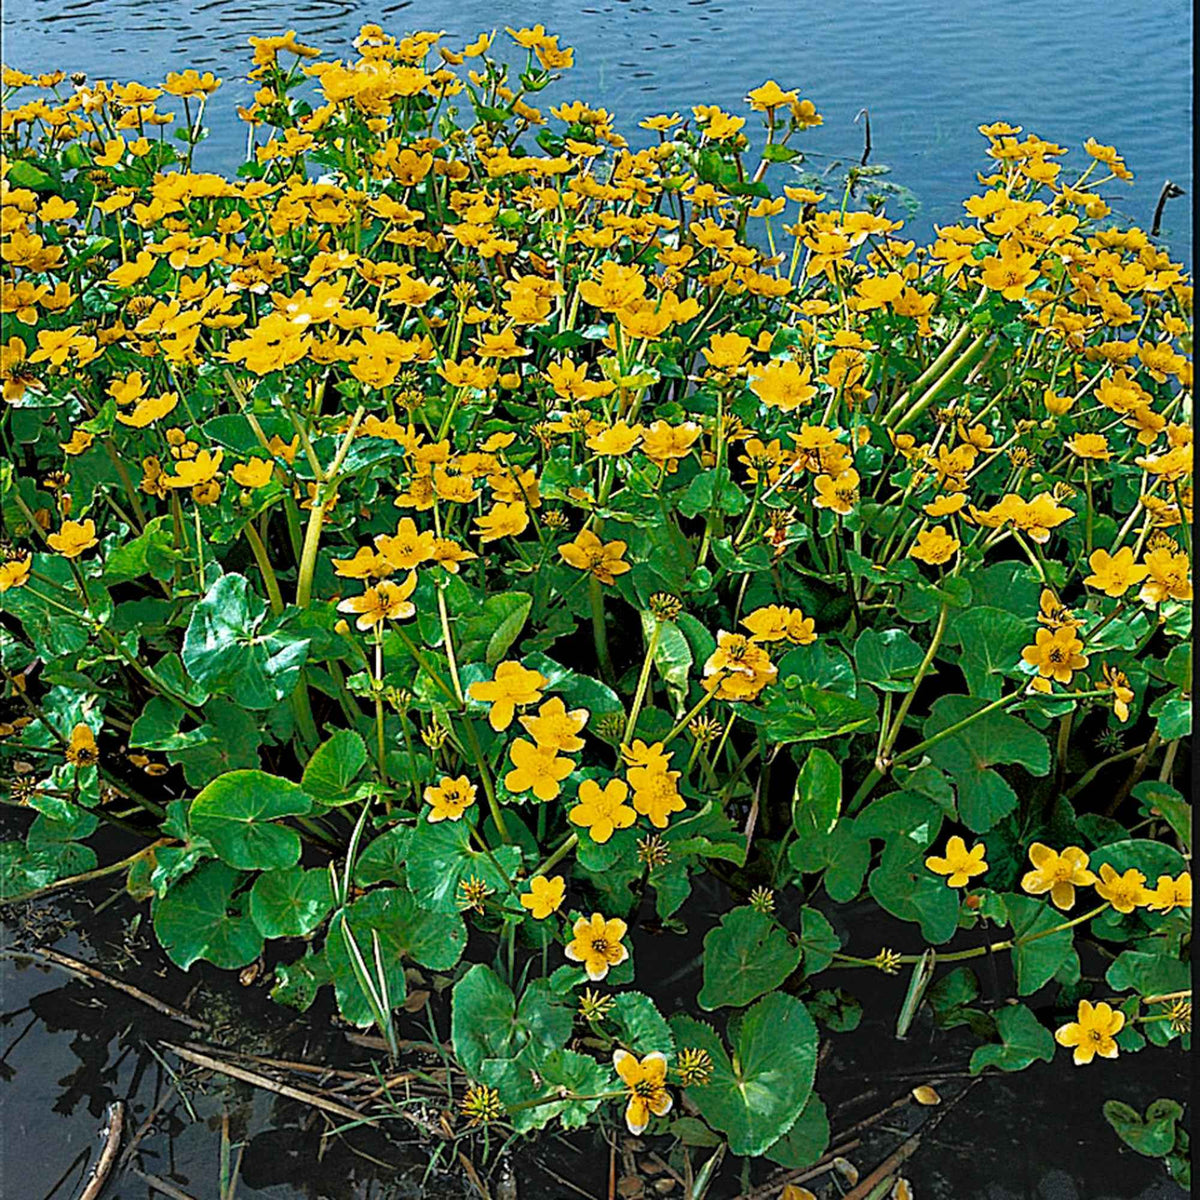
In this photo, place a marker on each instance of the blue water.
(929, 71)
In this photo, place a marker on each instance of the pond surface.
(928, 71)
(68, 1048)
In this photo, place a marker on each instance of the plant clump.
(462, 529)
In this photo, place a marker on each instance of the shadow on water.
(928, 71)
(69, 1048)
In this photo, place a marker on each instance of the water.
(928, 71)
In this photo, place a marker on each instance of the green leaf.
(818, 941)
(887, 658)
(290, 902)
(297, 983)
(640, 1026)
(334, 766)
(442, 856)
(200, 918)
(26, 868)
(485, 1021)
(748, 954)
(992, 641)
(984, 798)
(806, 713)
(1023, 1040)
(806, 1141)
(904, 888)
(672, 658)
(1038, 961)
(230, 647)
(1162, 799)
(482, 1018)
(237, 814)
(385, 860)
(487, 630)
(1155, 1136)
(817, 801)
(755, 1097)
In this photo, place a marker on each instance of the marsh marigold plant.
(471, 521)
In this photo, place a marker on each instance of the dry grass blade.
(83, 971)
(114, 1128)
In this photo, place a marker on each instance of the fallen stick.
(314, 1099)
(801, 1174)
(83, 971)
(147, 1125)
(161, 1185)
(899, 1156)
(114, 1127)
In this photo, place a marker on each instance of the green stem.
(643, 680)
(600, 632)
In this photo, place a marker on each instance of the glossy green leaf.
(290, 902)
(755, 1096)
(817, 801)
(239, 813)
(1023, 1040)
(335, 764)
(200, 917)
(748, 954)
(230, 646)
(984, 797)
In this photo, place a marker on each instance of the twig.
(147, 1125)
(114, 1127)
(802, 1174)
(83, 971)
(161, 1185)
(314, 1099)
(898, 1156)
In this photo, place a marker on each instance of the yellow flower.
(1169, 577)
(840, 494)
(1092, 1032)
(80, 441)
(739, 668)
(727, 351)
(1171, 893)
(149, 409)
(775, 622)
(934, 546)
(1056, 654)
(544, 896)
(1124, 892)
(945, 506)
(82, 750)
(450, 799)
(385, 601)
(783, 384)
(597, 944)
(407, 547)
(763, 99)
(74, 538)
(655, 793)
(505, 520)
(1114, 574)
(511, 685)
(646, 1080)
(15, 572)
(536, 770)
(1058, 874)
(960, 864)
(1089, 445)
(195, 471)
(602, 559)
(254, 474)
(615, 440)
(554, 728)
(1118, 683)
(601, 812)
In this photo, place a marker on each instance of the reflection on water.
(928, 71)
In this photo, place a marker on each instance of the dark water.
(69, 1048)
(929, 71)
